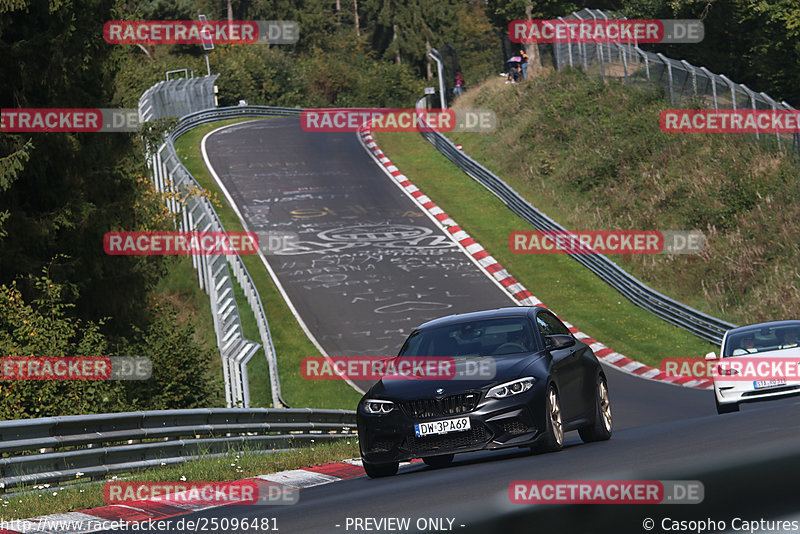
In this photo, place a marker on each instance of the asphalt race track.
(370, 266)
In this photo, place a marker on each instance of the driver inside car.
(748, 346)
(789, 340)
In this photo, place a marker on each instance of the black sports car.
(545, 383)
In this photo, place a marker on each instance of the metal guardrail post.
(752, 96)
(774, 106)
(582, 46)
(666, 62)
(569, 47)
(732, 86)
(713, 77)
(688, 66)
(646, 61)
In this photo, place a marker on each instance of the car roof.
(769, 324)
(514, 311)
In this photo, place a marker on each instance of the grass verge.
(291, 343)
(41, 500)
(179, 288)
(592, 156)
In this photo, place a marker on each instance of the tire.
(725, 408)
(380, 470)
(439, 461)
(602, 425)
(553, 438)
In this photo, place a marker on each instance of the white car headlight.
(378, 406)
(514, 387)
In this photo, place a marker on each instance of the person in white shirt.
(748, 346)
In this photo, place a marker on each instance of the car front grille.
(450, 405)
(446, 442)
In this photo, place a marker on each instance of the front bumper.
(745, 391)
(495, 423)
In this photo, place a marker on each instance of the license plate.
(442, 427)
(761, 384)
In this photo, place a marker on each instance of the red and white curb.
(510, 284)
(97, 519)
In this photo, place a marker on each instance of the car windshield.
(763, 339)
(475, 338)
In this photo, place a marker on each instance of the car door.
(567, 367)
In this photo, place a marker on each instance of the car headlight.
(378, 406)
(511, 388)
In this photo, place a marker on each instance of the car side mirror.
(711, 356)
(558, 341)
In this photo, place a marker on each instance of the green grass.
(592, 156)
(291, 343)
(568, 288)
(180, 288)
(40, 500)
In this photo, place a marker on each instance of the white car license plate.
(442, 427)
(761, 384)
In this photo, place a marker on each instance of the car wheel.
(439, 461)
(601, 427)
(380, 470)
(553, 438)
(726, 408)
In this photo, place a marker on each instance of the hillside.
(592, 156)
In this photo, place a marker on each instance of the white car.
(756, 362)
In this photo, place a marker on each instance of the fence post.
(646, 61)
(713, 78)
(774, 106)
(688, 66)
(669, 77)
(581, 42)
(569, 45)
(599, 49)
(752, 96)
(733, 89)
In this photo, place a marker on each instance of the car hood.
(507, 367)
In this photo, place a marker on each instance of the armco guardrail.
(186, 98)
(199, 214)
(58, 449)
(704, 326)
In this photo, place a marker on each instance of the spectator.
(459, 88)
(524, 62)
